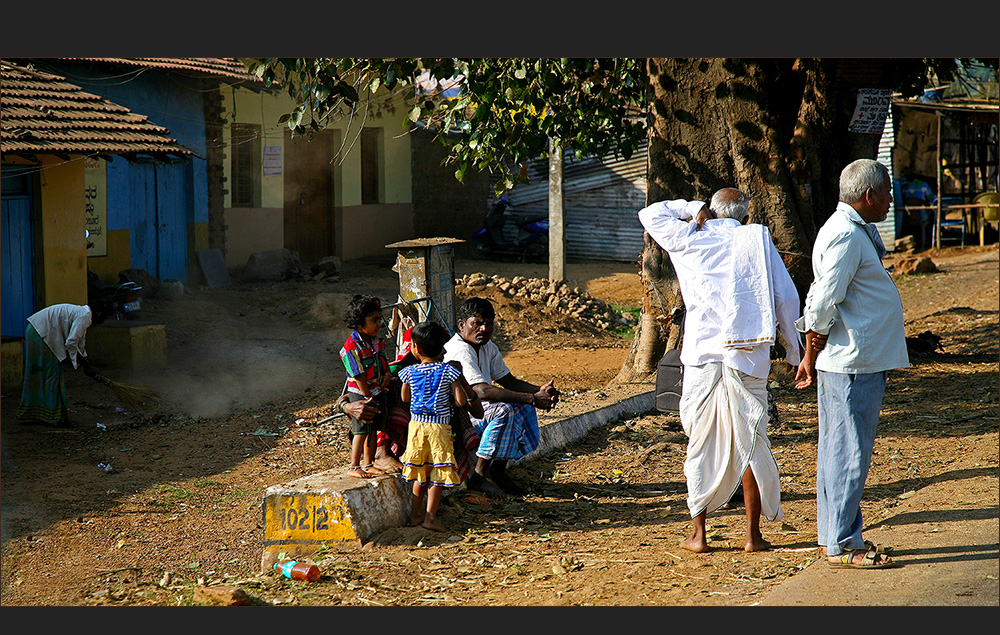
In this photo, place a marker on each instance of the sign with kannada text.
(871, 110)
(95, 187)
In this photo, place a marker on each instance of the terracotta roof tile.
(44, 113)
(228, 67)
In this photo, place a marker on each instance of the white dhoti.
(724, 414)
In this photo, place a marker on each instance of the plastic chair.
(951, 225)
(989, 214)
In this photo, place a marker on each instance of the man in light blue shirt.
(853, 326)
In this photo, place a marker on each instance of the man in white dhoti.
(737, 293)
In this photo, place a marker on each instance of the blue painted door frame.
(17, 268)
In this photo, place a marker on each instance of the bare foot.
(417, 518)
(432, 523)
(372, 470)
(757, 545)
(357, 472)
(696, 545)
(388, 464)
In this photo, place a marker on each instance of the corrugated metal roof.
(44, 113)
(580, 175)
(228, 67)
(598, 227)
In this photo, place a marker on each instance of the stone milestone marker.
(329, 507)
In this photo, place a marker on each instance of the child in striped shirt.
(432, 388)
(363, 356)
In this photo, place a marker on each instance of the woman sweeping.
(53, 335)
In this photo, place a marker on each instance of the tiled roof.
(228, 67)
(42, 113)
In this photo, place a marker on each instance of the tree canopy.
(505, 111)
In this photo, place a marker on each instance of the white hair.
(730, 203)
(858, 176)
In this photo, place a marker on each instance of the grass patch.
(626, 330)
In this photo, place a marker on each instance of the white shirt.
(63, 327)
(478, 367)
(702, 262)
(853, 299)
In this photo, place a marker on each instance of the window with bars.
(246, 165)
(370, 165)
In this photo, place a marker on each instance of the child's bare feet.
(372, 470)
(388, 464)
(417, 517)
(432, 523)
(357, 472)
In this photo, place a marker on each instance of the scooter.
(124, 297)
(512, 234)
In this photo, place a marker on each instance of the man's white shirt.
(702, 260)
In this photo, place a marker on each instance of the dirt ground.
(252, 368)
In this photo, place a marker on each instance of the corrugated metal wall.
(887, 228)
(601, 199)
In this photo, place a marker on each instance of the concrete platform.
(330, 507)
(127, 344)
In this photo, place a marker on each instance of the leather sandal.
(886, 549)
(872, 560)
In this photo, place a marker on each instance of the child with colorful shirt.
(431, 387)
(363, 355)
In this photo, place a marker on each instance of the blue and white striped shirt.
(430, 390)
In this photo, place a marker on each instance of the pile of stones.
(556, 297)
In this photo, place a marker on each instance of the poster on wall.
(95, 179)
(871, 110)
(272, 160)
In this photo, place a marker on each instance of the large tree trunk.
(777, 129)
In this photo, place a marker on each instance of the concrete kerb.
(330, 507)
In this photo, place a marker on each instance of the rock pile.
(551, 297)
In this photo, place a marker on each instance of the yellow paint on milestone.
(306, 518)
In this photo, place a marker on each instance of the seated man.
(509, 428)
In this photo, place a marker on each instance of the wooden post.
(940, 187)
(557, 216)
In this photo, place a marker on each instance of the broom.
(130, 395)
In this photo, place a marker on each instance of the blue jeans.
(849, 406)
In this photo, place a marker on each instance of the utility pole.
(557, 216)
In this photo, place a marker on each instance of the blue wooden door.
(17, 298)
(142, 181)
(171, 222)
(160, 192)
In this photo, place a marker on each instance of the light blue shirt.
(853, 299)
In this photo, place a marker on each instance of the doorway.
(309, 195)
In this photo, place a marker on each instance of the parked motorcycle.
(506, 233)
(123, 297)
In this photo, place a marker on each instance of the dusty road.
(181, 507)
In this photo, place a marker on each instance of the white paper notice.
(871, 111)
(272, 160)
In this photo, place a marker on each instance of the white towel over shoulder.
(749, 318)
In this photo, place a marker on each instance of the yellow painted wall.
(393, 218)
(62, 231)
(250, 231)
(366, 229)
(119, 257)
